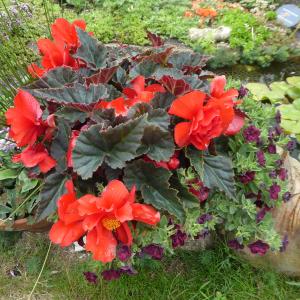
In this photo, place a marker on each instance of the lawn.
(213, 274)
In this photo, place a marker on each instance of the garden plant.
(131, 154)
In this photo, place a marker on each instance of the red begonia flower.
(36, 155)
(140, 93)
(172, 164)
(65, 32)
(120, 105)
(232, 121)
(104, 219)
(72, 142)
(25, 119)
(204, 121)
(55, 54)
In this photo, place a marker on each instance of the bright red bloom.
(104, 219)
(120, 105)
(25, 119)
(172, 164)
(204, 121)
(72, 142)
(140, 93)
(36, 155)
(64, 32)
(55, 54)
(225, 102)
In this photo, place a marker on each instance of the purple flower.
(274, 191)
(278, 130)
(178, 238)
(259, 247)
(202, 234)
(91, 277)
(204, 218)
(129, 270)
(284, 244)
(155, 251)
(261, 214)
(235, 245)
(111, 274)
(291, 145)
(282, 174)
(251, 134)
(286, 196)
(247, 177)
(201, 193)
(278, 117)
(261, 158)
(124, 253)
(243, 91)
(273, 174)
(272, 149)
(279, 163)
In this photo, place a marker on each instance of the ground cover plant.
(137, 152)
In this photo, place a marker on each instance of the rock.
(288, 15)
(221, 33)
(287, 222)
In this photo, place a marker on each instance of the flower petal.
(188, 105)
(236, 124)
(124, 234)
(101, 243)
(182, 133)
(145, 213)
(217, 86)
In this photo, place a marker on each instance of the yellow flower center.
(111, 224)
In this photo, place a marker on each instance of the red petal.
(35, 71)
(80, 23)
(155, 88)
(91, 221)
(113, 196)
(130, 93)
(124, 234)
(124, 213)
(101, 243)
(145, 213)
(188, 105)
(182, 133)
(72, 142)
(138, 84)
(65, 235)
(236, 125)
(88, 205)
(47, 164)
(217, 86)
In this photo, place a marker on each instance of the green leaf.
(162, 100)
(59, 146)
(214, 171)
(90, 50)
(114, 145)
(53, 189)
(54, 78)
(294, 80)
(77, 94)
(157, 144)
(8, 174)
(146, 68)
(154, 185)
(260, 91)
(72, 114)
(26, 182)
(188, 200)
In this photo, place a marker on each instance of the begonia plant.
(140, 151)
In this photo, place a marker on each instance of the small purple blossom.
(128, 270)
(282, 174)
(155, 251)
(204, 218)
(202, 234)
(274, 191)
(278, 130)
(261, 214)
(278, 117)
(284, 244)
(272, 149)
(243, 91)
(91, 277)
(235, 245)
(111, 274)
(259, 247)
(291, 145)
(261, 158)
(178, 238)
(279, 163)
(273, 174)
(247, 177)
(124, 253)
(251, 134)
(286, 196)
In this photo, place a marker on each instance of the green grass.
(212, 274)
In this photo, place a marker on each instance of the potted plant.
(139, 151)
